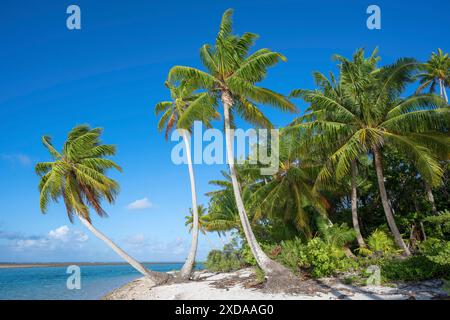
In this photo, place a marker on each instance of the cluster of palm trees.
(353, 116)
(362, 112)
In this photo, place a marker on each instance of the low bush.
(431, 262)
(290, 254)
(437, 251)
(324, 259)
(379, 242)
(438, 225)
(415, 268)
(317, 256)
(223, 261)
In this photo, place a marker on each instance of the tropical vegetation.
(77, 175)
(362, 179)
(360, 151)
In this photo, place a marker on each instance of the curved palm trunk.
(355, 221)
(188, 266)
(384, 199)
(430, 197)
(269, 266)
(442, 90)
(156, 277)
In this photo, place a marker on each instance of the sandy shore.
(241, 285)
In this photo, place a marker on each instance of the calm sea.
(50, 283)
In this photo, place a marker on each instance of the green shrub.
(247, 255)
(379, 242)
(319, 257)
(260, 275)
(324, 259)
(338, 235)
(439, 225)
(415, 268)
(290, 253)
(437, 251)
(223, 261)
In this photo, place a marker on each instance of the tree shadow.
(343, 296)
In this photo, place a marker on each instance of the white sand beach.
(241, 285)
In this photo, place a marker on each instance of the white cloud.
(140, 204)
(59, 233)
(55, 239)
(64, 234)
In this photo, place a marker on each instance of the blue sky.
(111, 73)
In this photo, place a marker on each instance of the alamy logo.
(73, 22)
(252, 146)
(374, 20)
(74, 280)
(375, 275)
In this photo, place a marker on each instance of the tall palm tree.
(180, 113)
(334, 90)
(435, 71)
(289, 194)
(231, 76)
(376, 115)
(77, 174)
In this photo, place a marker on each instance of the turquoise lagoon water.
(50, 283)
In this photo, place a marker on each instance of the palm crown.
(77, 174)
(289, 193)
(232, 70)
(363, 111)
(202, 219)
(186, 107)
(434, 71)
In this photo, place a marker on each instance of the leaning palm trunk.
(442, 90)
(188, 266)
(156, 277)
(269, 266)
(384, 199)
(355, 221)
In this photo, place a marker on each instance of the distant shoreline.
(65, 264)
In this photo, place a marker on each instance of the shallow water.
(50, 283)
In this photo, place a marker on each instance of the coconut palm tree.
(435, 71)
(203, 221)
(231, 77)
(289, 194)
(180, 113)
(376, 115)
(77, 174)
(334, 91)
(223, 215)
